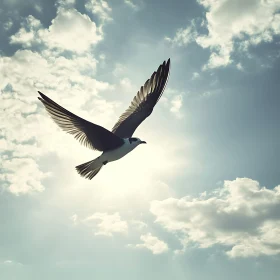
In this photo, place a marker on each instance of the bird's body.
(118, 143)
(120, 152)
(112, 155)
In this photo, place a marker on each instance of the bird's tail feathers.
(89, 169)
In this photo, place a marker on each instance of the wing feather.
(143, 103)
(89, 134)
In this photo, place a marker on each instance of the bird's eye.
(132, 139)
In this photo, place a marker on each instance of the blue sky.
(201, 200)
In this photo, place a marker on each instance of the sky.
(201, 200)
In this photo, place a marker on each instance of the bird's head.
(136, 141)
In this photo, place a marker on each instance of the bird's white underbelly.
(118, 153)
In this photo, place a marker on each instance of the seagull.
(119, 142)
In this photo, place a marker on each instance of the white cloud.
(126, 83)
(183, 36)
(195, 76)
(102, 223)
(67, 27)
(100, 8)
(28, 33)
(176, 105)
(209, 93)
(65, 78)
(173, 101)
(71, 26)
(131, 4)
(152, 243)
(66, 3)
(51, 73)
(241, 216)
(119, 70)
(38, 8)
(8, 24)
(12, 263)
(8, 262)
(239, 66)
(232, 26)
(106, 224)
(75, 219)
(227, 21)
(21, 175)
(102, 56)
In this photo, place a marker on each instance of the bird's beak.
(143, 142)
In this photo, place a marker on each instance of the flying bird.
(119, 142)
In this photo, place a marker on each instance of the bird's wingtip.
(167, 62)
(43, 96)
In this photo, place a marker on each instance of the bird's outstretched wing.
(89, 134)
(143, 103)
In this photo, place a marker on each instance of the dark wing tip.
(42, 94)
(43, 98)
(167, 64)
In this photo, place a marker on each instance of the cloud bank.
(241, 216)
